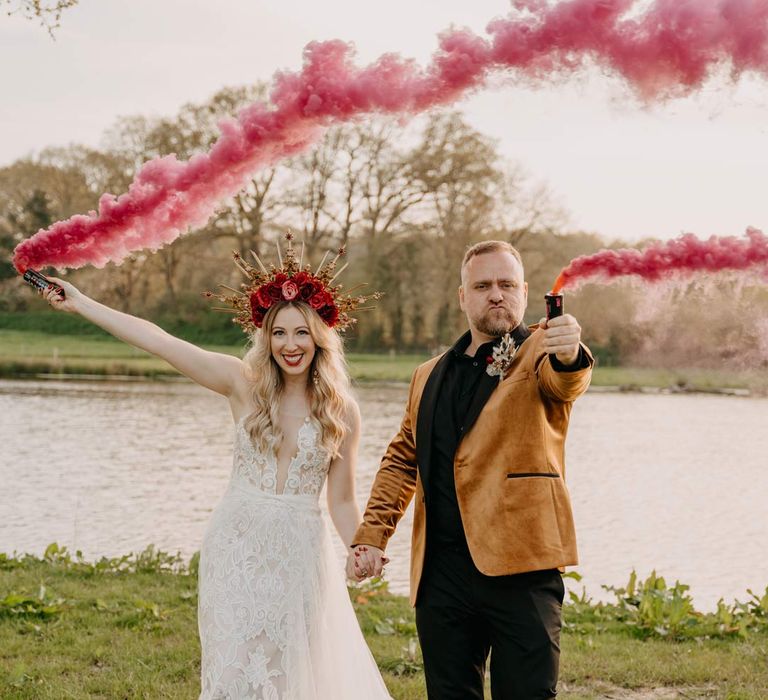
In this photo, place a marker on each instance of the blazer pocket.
(532, 475)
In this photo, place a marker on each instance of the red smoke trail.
(684, 255)
(669, 49)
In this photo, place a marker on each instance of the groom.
(482, 448)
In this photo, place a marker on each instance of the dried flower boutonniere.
(503, 354)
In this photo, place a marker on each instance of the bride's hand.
(366, 561)
(72, 296)
(351, 574)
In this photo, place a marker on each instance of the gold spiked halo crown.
(291, 282)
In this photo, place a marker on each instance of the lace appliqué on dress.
(306, 471)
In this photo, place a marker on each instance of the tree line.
(408, 198)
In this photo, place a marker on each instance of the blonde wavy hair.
(330, 395)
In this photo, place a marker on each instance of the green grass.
(126, 628)
(29, 352)
(24, 352)
(395, 368)
(593, 666)
(692, 379)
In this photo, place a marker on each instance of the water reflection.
(675, 483)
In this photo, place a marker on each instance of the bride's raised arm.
(216, 371)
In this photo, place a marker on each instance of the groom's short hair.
(490, 247)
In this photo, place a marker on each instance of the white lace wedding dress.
(275, 618)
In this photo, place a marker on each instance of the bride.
(274, 615)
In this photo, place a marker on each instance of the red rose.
(280, 278)
(306, 291)
(257, 310)
(290, 290)
(257, 316)
(275, 291)
(261, 297)
(256, 301)
(317, 301)
(329, 314)
(301, 277)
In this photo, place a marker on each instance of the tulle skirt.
(274, 615)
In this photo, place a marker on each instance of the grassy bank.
(26, 353)
(31, 352)
(126, 628)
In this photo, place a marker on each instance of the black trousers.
(463, 615)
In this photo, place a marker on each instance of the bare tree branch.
(48, 13)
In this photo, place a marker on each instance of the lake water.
(672, 482)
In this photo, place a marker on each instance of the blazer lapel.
(426, 416)
(485, 388)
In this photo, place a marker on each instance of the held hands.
(562, 336)
(365, 561)
(69, 302)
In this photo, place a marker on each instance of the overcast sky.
(623, 171)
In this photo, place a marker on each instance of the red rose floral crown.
(291, 282)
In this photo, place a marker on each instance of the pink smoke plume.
(685, 255)
(668, 49)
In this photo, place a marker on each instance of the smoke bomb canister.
(554, 304)
(38, 281)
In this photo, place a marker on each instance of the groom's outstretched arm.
(394, 485)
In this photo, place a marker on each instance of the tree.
(26, 218)
(33, 195)
(242, 221)
(460, 170)
(48, 13)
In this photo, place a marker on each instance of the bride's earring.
(315, 377)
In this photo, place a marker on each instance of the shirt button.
(474, 364)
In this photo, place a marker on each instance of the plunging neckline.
(271, 455)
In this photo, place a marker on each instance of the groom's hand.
(365, 561)
(562, 336)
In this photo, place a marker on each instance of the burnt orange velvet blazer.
(509, 467)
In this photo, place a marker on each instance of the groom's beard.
(496, 323)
